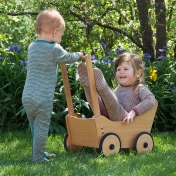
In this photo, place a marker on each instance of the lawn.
(15, 158)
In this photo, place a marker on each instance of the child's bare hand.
(82, 56)
(129, 117)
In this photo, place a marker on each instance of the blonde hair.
(48, 20)
(135, 61)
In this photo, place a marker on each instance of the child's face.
(125, 74)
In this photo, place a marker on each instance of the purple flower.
(23, 63)
(107, 52)
(103, 44)
(161, 57)
(14, 48)
(106, 61)
(94, 57)
(173, 86)
(121, 50)
(147, 55)
(163, 50)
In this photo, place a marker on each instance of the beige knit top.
(141, 100)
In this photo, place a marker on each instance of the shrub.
(13, 73)
(160, 78)
(162, 83)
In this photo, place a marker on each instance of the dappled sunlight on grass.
(15, 154)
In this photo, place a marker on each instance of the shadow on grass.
(15, 158)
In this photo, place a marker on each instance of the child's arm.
(63, 56)
(147, 100)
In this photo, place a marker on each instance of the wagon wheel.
(69, 146)
(143, 142)
(110, 144)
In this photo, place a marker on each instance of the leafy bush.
(162, 83)
(160, 78)
(13, 73)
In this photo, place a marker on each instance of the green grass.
(15, 158)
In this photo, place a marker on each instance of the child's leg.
(115, 111)
(82, 71)
(83, 78)
(40, 133)
(39, 121)
(109, 105)
(103, 110)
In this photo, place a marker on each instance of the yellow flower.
(153, 73)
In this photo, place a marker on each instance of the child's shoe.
(49, 155)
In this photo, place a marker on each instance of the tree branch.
(19, 13)
(121, 32)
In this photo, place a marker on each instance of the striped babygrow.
(38, 93)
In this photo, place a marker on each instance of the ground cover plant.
(15, 154)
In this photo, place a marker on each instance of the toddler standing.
(37, 98)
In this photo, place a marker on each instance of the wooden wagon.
(100, 132)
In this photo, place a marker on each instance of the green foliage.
(12, 82)
(164, 89)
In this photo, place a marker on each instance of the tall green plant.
(161, 81)
(12, 73)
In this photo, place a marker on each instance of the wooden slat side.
(82, 131)
(126, 132)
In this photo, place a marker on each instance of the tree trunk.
(146, 30)
(160, 11)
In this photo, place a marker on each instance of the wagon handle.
(96, 108)
(67, 89)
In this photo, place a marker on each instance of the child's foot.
(83, 77)
(45, 160)
(49, 155)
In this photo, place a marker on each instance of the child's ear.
(55, 31)
(138, 73)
